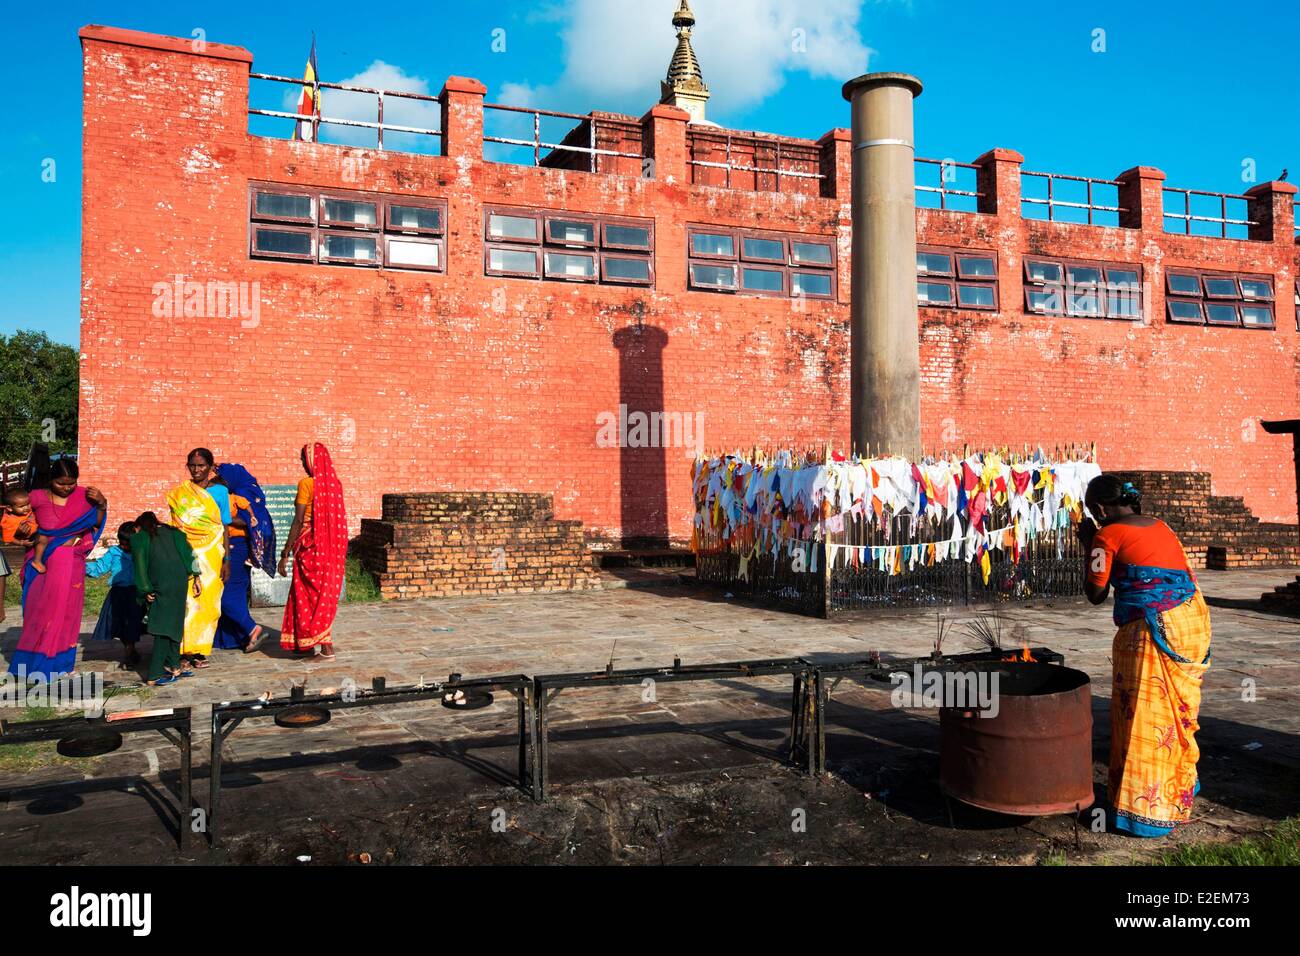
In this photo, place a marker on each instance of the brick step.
(478, 507)
(644, 558)
(1223, 559)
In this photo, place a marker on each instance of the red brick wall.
(423, 382)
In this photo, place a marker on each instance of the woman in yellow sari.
(197, 512)
(1160, 656)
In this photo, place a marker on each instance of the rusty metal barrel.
(1034, 758)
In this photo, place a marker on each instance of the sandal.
(199, 664)
(255, 639)
(163, 681)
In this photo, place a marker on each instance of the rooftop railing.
(537, 143)
(379, 125)
(1091, 206)
(951, 197)
(1228, 227)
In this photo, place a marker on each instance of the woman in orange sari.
(1160, 656)
(318, 543)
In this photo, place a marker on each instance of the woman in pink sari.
(70, 520)
(318, 542)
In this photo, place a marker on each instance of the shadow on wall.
(643, 478)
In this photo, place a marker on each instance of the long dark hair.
(1112, 492)
(148, 521)
(42, 469)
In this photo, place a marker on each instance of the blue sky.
(1195, 88)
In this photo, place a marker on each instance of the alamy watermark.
(975, 690)
(84, 691)
(214, 299)
(651, 430)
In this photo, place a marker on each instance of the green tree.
(39, 382)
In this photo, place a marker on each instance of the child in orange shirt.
(17, 526)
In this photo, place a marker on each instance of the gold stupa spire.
(684, 86)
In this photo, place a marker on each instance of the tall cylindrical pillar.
(886, 354)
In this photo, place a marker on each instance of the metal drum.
(1035, 757)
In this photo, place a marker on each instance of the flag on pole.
(309, 101)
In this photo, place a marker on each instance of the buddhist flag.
(309, 101)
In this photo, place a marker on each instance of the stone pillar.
(998, 183)
(1271, 208)
(663, 139)
(1142, 197)
(886, 355)
(836, 164)
(462, 117)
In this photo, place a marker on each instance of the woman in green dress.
(164, 573)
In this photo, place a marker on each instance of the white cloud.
(615, 54)
(341, 104)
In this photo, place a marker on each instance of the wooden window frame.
(319, 227)
(1169, 311)
(828, 242)
(512, 247)
(1102, 289)
(1238, 302)
(333, 226)
(325, 260)
(417, 239)
(786, 249)
(739, 261)
(513, 213)
(693, 231)
(1272, 292)
(409, 231)
(647, 224)
(255, 253)
(1258, 304)
(783, 293)
(591, 255)
(255, 216)
(715, 264)
(598, 250)
(607, 279)
(549, 240)
(1222, 304)
(955, 278)
(1208, 277)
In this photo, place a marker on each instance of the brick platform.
(1217, 532)
(443, 544)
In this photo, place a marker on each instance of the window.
(1085, 290)
(346, 228)
(953, 278)
(759, 263)
(567, 247)
(1217, 298)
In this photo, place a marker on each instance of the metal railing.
(317, 121)
(538, 144)
(943, 190)
(11, 473)
(774, 145)
(1051, 202)
(1223, 220)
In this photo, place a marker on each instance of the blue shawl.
(90, 520)
(261, 531)
(1144, 592)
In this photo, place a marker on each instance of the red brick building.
(393, 306)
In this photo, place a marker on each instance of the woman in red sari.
(318, 542)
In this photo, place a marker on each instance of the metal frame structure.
(228, 716)
(1223, 220)
(710, 138)
(871, 672)
(538, 144)
(1051, 202)
(174, 727)
(546, 687)
(942, 190)
(318, 120)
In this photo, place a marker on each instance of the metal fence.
(319, 120)
(1091, 205)
(950, 196)
(536, 143)
(1223, 221)
(1050, 565)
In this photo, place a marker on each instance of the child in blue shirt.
(122, 616)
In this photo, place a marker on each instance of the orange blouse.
(306, 488)
(1155, 546)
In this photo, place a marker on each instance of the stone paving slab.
(612, 731)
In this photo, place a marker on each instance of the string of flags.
(783, 503)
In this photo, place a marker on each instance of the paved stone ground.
(392, 776)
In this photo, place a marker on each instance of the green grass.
(96, 591)
(361, 587)
(1280, 846)
(24, 758)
